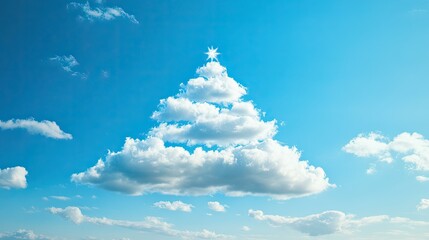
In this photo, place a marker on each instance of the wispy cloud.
(174, 206)
(46, 128)
(61, 198)
(150, 224)
(14, 177)
(413, 148)
(23, 234)
(67, 63)
(216, 206)
(234, 152)
(424, 204)
(101, 13)
(418, 11)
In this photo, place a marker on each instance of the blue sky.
(340, 84)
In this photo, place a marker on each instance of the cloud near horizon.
(412, 147)
(14, 177)
(23, 234)
(45, 128)
(331, 222)
(233, 150)
(149, 224)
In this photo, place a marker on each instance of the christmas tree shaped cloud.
(233, 150)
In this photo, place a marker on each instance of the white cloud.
(70, 213)
(23, 234)
(409, 222)
(174, 206)
(371, 170)
(424, 204)
(46, 128)
(418, 11)
(265, 168)
(102, 13)
(61, 198)
(13, 177)
(413, 148)
(370, 145)
(328, 222)
(422, 179)
(211, 125)
(216, 206)
(245, 228)
(230, 149)
(150, 224)
(67, 63)
(213, 85)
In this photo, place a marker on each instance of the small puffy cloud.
(245, 228)
(371, 170)
(328, 222)
(61, 198)
(216, 206)
(150, 224)
(370, 145)
(422, 179)
(174, 206)
(213, 85)
(208, 140)
(70, 213)
(14, 177)
(413, 148)
(102, 13)
(424, 204)
(23, 234)
(67, 63)
(46, 128)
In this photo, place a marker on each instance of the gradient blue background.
(328, 69)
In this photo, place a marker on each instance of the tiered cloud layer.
(233, 148)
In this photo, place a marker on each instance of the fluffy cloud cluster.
(210, 125)
(216, 206)
(230, 149)
(150, 224)
(102, 13)
(328, 222)
(23, 234)
(46, 128)
(413, 148)
(14, 177)
(67, 63)
(265, 168)
(174, 206)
